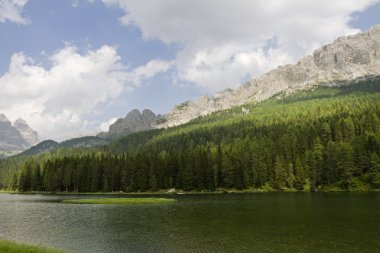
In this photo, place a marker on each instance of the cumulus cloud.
(56, 99)
(11, 11)
(225, 42)
(149, 70)
(75, 3)
(104, 126)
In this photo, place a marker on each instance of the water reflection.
(288, 222)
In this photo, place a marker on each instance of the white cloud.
(147, 71)
(75, 3)
(56, 100)
(104, 126)
(225, 41)
(11, 11)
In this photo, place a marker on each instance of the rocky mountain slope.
(29, 135)
(348, 58)
(133, 122)
(15, 138)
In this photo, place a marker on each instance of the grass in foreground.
(120, 201)
(13, 247)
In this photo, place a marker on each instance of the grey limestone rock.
(347, 58)
(16, 138)
(29, 135)
(132, 123)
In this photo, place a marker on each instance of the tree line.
(319, 142)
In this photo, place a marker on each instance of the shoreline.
(180, 192)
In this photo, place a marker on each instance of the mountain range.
(348, 59)
(309, 126)
(16, 137)
(135, 121)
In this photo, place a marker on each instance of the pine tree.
(279, 180)
(300, 174)
(345, 163)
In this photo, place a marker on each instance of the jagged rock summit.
(4, 118)
(15, 138)
(29, 135)
(347, 59)
(132, 123)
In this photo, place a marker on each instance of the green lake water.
(262, 222)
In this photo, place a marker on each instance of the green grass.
(13, 247)
(119, 201)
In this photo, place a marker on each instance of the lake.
(258, 222)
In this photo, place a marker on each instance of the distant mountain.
(83, 142)
(348, 58)
(50, 145)
(29, 135)
(132, 123)
(42, 147)
(15, 138)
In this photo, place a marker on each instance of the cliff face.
(15, 138)
(29, 135)
(133, 122)
(348, 58)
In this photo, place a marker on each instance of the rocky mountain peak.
(15, 138)
(346, 59)
(134, 113)
(4, 119)
(148, 113)
(29, 135)
(20, 123)
(135, 121)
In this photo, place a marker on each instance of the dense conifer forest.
(327, 138)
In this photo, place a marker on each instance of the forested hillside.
(322, 139)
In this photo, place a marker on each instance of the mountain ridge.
(280, 143)
(347, 58)
(75, 143)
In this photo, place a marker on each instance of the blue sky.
(71, 67)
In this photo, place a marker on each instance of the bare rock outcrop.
(132, 123)
(29, 135)
(15, 138)
(348, 58)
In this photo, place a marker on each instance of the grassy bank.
(120, 201)
(13, 247)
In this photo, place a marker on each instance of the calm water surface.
(268, 222)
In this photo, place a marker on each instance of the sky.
(72, 67)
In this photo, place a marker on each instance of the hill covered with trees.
(327, 138)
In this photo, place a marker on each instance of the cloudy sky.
(71, 67)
